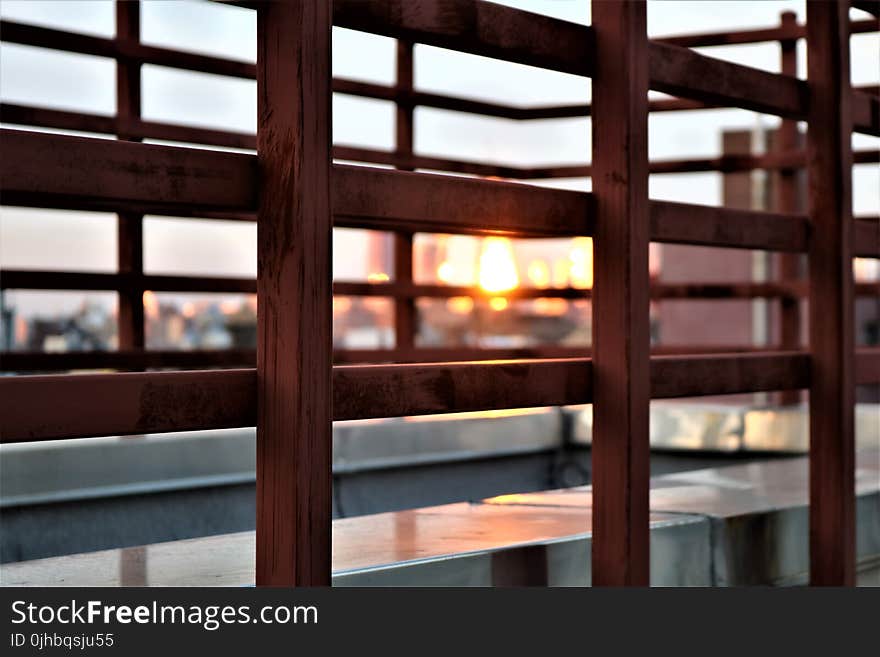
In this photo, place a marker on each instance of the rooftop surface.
(725, 526)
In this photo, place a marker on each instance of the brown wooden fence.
(297, 195)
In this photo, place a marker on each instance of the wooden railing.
(297, 195)
(130, 283)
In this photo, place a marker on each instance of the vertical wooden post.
(621, 337)
(787, 140)
(129, 226)
(404, 308)
(832, 392)
(294, 352)
(130, 259)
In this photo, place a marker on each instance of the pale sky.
(45, 239)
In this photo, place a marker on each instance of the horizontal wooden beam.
(38, 361)
(728, 163)
(655, 105)
(866, 113)
(683, 72)
(867, 370)
(713, 226)
(38, 165)
(55, 407)
(411, 162)
(399, 200)
(477, 28)
(393, 200)
(784, 32)
(405, 290)
(586, 109)
(44, 37)
(500, 32)
(25, 115)
(48, 170)
(726, 374)
(188, 134)
(658, 291)
(44, 117)
(505, 33)
(456, 104)
(25, 279)
(866, 237)
(63, 120)
(396, 390)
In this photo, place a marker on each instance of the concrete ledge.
(758, 515)
(725, 526)
(682, 426)
(453, 545)
(89, 468)
(65, 470)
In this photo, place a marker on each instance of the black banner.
(413, 621)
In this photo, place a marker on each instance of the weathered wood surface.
(38, 167)
(294, 274)
(57, 406)
(832, 390)
(405, 315)
(129, 225)
(787, 199)
(54, 407)
(621, 336)
(496, 31)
